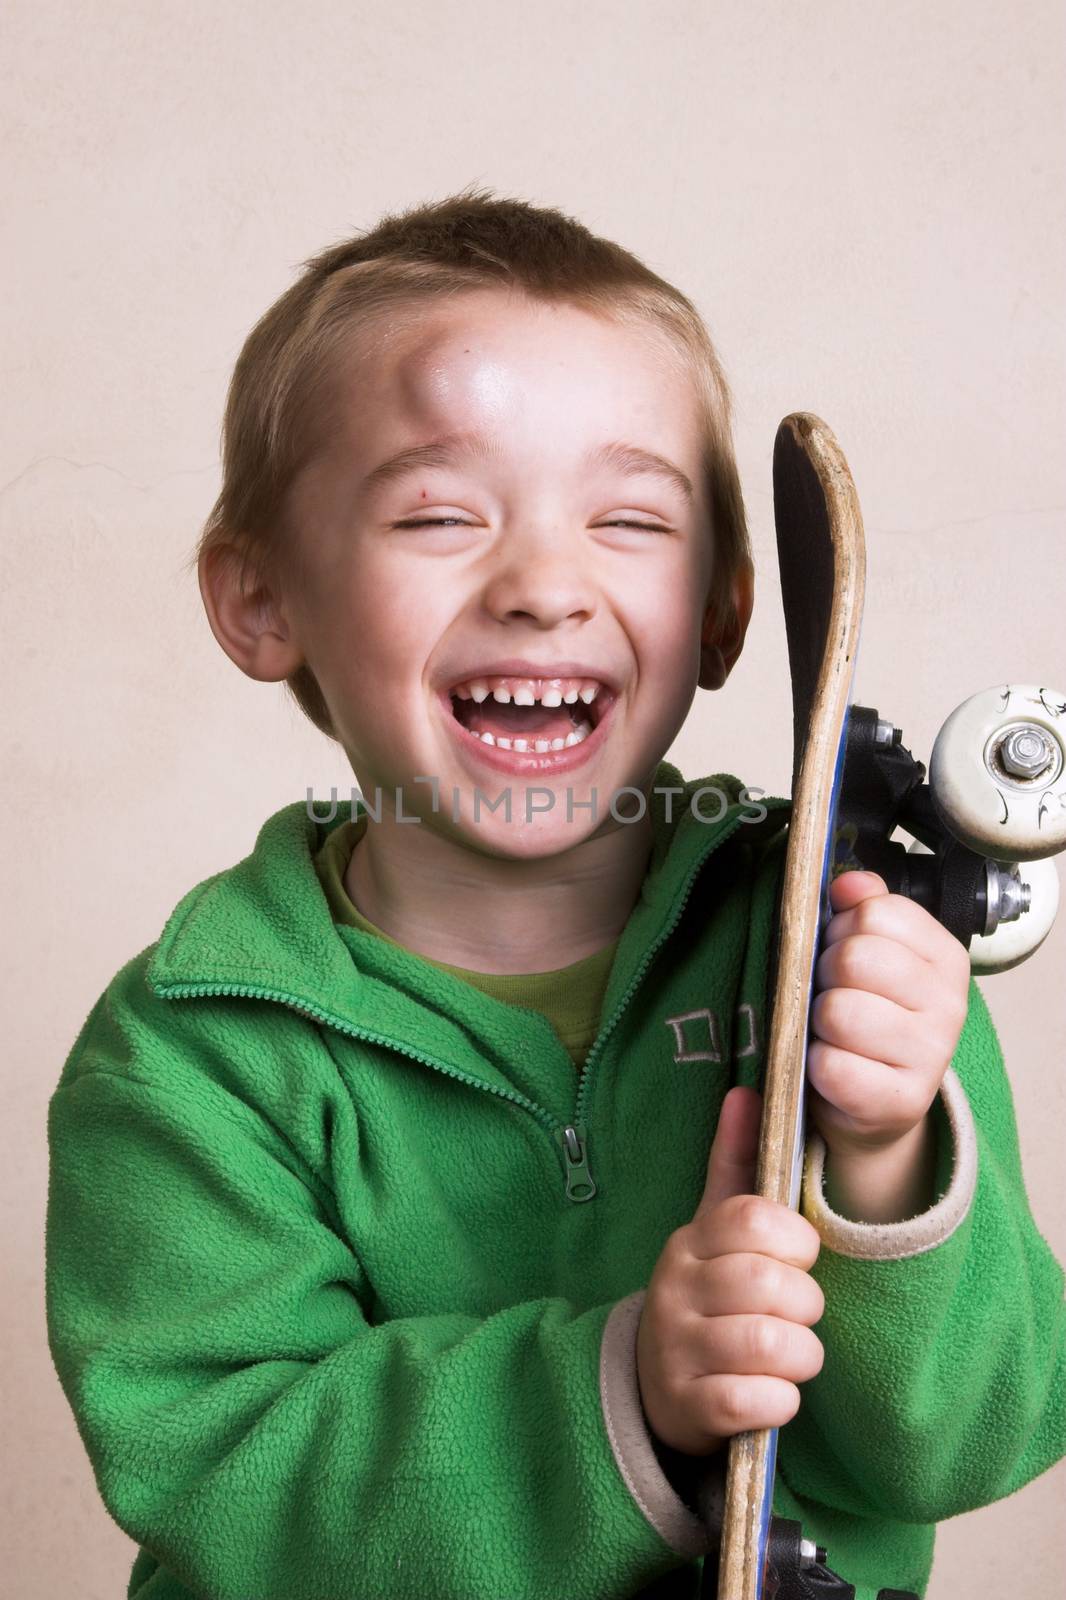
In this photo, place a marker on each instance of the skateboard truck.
(883, 787)
(796, 1570)
(968, 890)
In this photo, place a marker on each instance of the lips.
(523, 667)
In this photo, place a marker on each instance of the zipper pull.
(579, 1184)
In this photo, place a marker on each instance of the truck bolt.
(1025, 751)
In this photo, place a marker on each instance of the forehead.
(498, 359)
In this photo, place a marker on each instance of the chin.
(540, 840)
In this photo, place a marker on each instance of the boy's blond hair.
(280, 396)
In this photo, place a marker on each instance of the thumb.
(847, 889)
(731, 1163)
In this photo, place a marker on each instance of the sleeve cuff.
(893, 1241)
(659, 1479)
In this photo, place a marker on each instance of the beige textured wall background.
(866, 202)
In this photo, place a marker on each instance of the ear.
(725, 624)
(250, 626)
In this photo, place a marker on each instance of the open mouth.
(538, 716)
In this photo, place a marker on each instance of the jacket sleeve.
(259, 1436)
(943, 1382)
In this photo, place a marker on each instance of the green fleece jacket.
(345, 1262)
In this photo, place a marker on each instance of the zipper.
(573, 1137)
(248, 991)
(649, 954)
(579, 1181)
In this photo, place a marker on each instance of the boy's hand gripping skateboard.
(997, 797)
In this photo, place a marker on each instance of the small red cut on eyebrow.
(629, 459)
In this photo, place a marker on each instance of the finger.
(734, 1149)
(849, 889)
(754, 1284)
(727, 1403)
(863, 1098)
(875, 965)
(879, 1030)
(893, 916)
(759, 1346)
(748, 1224)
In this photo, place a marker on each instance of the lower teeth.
(581, 732)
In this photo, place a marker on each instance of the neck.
(494, 915)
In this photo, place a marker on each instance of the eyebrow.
(629, 459)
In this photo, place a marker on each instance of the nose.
(540, 578)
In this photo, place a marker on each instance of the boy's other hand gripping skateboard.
(892, 986)
(725, 1331)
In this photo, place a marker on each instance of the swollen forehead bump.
(449, 381)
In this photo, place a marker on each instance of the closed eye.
(434, 522)
(455, 522)
(620, 522)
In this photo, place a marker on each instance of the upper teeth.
(529, 691)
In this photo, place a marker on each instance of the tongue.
(537, 721)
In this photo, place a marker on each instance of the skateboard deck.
(995, 792)
(821, 554)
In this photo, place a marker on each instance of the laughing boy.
(400, 1238)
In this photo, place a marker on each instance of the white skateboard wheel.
(998, 772)
(1012, 942)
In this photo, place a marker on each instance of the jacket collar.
(264, 927)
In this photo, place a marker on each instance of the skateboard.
(997, 797)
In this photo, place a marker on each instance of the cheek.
(668, 648)
(666, 619)
(356, 642)
(378, 613)
(386, 620)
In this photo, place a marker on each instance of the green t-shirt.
(570, 997)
